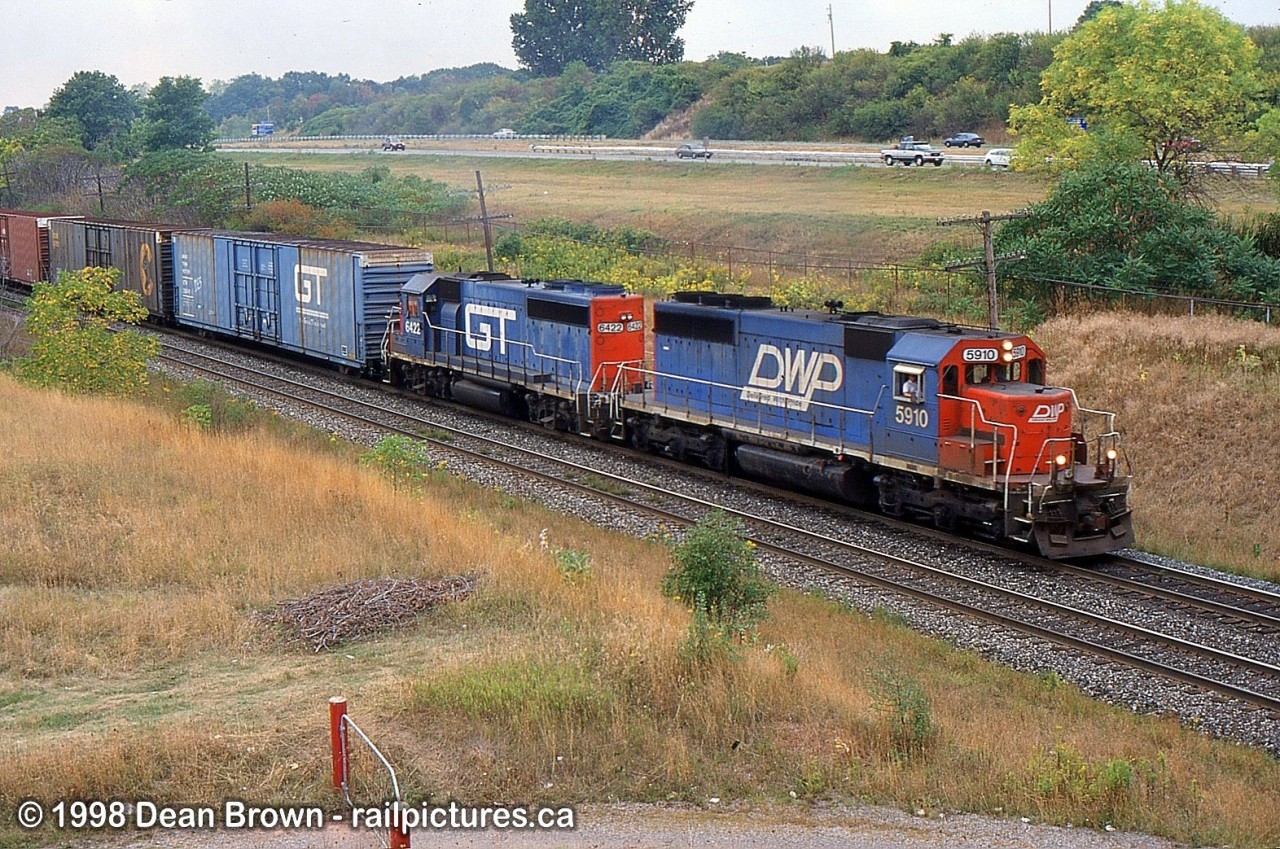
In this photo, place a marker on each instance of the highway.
(837, 155)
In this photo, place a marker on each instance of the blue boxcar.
(325, 298)
(829, 382)
(541, 334)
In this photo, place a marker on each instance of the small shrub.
(904, 703)
(716, 572)
(706, 643)
(402, 460)
(573, 566)
(211, 407)
(200, 415)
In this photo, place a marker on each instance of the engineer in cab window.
(910, 389)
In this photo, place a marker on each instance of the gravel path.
(666, 827)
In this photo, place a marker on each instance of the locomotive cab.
(1057, 463)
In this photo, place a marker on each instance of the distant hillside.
(927, 90)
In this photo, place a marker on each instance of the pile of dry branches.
(363, 608)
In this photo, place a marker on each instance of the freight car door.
(257, 291)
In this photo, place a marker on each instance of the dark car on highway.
(965, 140)
(692, 151)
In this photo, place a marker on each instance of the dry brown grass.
(1198, 403)
(136, 548)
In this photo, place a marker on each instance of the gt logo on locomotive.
(479, 334)
(798, 373)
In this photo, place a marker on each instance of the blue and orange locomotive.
(953, 425)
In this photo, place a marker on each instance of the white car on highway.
(998, 157)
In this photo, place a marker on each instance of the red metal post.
(338, 739)
(398, 835)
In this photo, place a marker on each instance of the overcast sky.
(44, 42)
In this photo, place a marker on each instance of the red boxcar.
(24, 245)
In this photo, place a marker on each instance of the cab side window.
(977, 374)
(908, 384)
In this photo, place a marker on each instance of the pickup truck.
(911, 152)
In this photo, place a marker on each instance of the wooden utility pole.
(989, 258)
(8, 184)
(484, 217)
(831, 22)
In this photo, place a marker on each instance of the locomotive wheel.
(717, 457)
(890, 499)
(640, 440)
(944, 518)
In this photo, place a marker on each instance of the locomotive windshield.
(1032, 371)
(988, 373)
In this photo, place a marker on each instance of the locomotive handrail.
(759, 426)
(1075, 402)
(384, 346)
(573, 365)
(1013, 446)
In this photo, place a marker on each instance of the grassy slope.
(868, 214)
(1198, 401)
(128, 663)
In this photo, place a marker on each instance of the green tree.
(174, 115)
(75, 347)
(549, 34)
(716, 571)
(104, 108)
(1122, 225)
(1147, 76)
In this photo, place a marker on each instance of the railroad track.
(1208, 592)
(1242, 670)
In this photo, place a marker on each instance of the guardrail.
(587, 145)
(428, 136)
(1235, 169)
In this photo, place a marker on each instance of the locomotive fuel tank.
(486, 395)
(824, 476)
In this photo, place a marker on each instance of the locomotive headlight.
(1007, 357)
(1060, 460)
(1111, 454)
(1007, 345)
